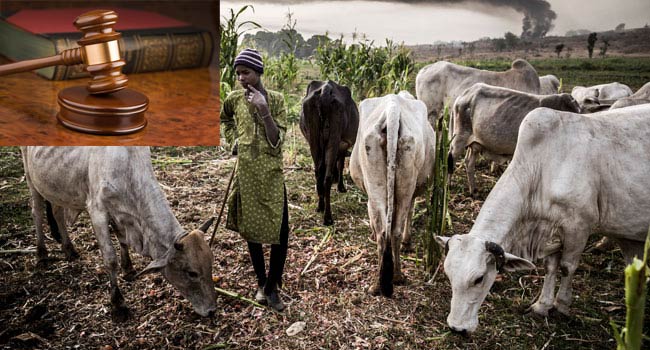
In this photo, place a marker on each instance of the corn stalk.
(282, 72)
(439, 196)
(636, 285)
(367, 70)
(231, 30)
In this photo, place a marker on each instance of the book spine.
(149, 53)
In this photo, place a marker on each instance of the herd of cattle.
(570, 174)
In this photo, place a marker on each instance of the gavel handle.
(68, 57)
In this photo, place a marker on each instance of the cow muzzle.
(205, 310)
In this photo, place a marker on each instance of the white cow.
(392, 161)
(570, 175)
(441, 82)
(486, 121)
(599, 97)
(642, 96)
(118, 184)
(549, 85)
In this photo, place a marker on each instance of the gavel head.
(100, 51)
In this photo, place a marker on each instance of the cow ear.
(153, 266)
(443, 241)
(515, 263)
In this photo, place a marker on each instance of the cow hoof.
(342, 189)
(374, 289)
(129, 276)
(399, 279)
(328, 222)
(44, 262)
(120, 314)
(539, 309)
(72, 255)
(561, 308)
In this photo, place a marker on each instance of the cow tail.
(387, 263)
(330, 150)
(54, 228)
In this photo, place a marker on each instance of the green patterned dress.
(256, 202)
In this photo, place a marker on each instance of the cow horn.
(498, 253)
(206, 225)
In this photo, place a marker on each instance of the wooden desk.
(183, 110)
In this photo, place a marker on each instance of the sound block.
(116, 113)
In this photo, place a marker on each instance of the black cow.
(329, 121)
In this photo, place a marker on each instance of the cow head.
(569, 104)
(588, 98)
(187, 265)
(561, 102)
(471, 264)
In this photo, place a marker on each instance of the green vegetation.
(231, 30)
(367, 70)
(439, 197)
(636, 285)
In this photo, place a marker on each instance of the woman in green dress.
(254, 121)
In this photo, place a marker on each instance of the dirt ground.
(66, 305)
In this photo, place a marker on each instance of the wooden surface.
(183, 110)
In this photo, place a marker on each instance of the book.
(150, 41)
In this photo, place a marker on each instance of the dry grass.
(67, 304)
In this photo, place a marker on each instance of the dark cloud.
(538, 16)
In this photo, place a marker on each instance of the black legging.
(278, 256)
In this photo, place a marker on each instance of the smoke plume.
(538, 16)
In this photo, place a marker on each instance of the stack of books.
(150, 41)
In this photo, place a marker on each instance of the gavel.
(105, 106)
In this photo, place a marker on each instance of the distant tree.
(471, 47)
(603, 49)
(558, 49)
(591, 42)
(620, 27)
(312, 43)
(577, 32)
(499, 44)
(439, 49)
(511, 40)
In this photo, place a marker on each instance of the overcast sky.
(423, 23)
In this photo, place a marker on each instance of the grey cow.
(641, 96)
(487, 118)
(118, 184)
(599, 97)
(570, 175)
(442, 82)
